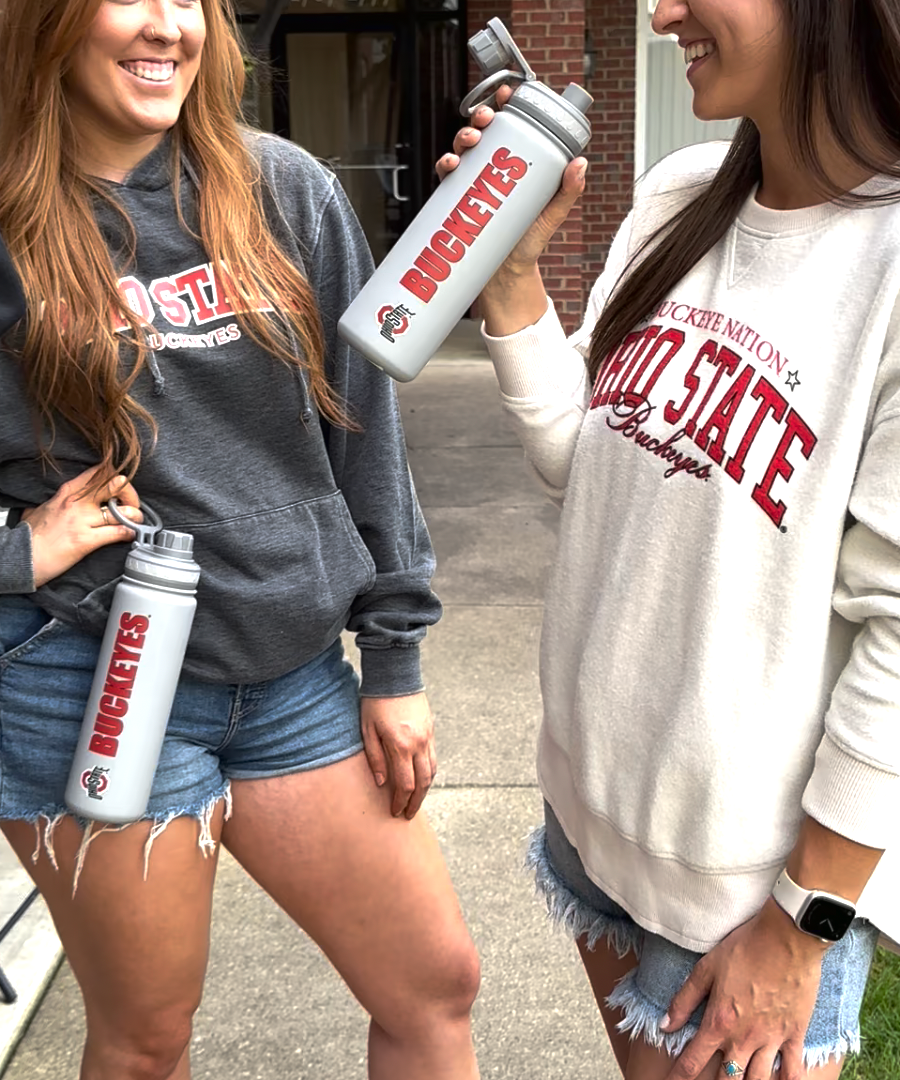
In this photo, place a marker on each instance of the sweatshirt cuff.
(537, 361)
(16, 560)
(852, 798)
(394, 672)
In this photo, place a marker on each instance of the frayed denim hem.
(46, 822)
(643, 1017)
(569, 911)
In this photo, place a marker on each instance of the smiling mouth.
(157, 71)
(698, 50)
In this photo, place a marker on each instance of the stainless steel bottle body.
(131, 697)
(455, 244)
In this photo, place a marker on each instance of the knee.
(149, 1049)
(455, 981)
(463, 978)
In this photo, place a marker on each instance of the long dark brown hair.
(71, 352)
(843, 66)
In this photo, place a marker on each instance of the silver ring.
(105, 514)
(731, 1068)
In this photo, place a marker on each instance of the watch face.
(827, 918)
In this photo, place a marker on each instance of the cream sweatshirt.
(721, 640)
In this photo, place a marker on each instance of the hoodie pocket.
(276, 588)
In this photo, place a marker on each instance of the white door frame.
(641, 27)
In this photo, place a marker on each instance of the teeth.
(697, 50)
(151, 70)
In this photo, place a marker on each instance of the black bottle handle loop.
(145, 533)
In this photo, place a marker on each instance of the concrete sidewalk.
(274, 1009)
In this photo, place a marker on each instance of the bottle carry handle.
(145, 533)
(488, 87)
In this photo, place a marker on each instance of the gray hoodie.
(302, 529)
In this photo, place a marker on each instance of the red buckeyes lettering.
(474, 210)
(120, 675)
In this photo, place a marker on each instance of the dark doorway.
(375, 95)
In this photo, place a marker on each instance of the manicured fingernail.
(379, 779)
(582, 171)
(664, 1023)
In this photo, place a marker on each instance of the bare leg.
(374, 893)
(137, 948)
(604, 969)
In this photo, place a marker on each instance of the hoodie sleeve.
(855, 786)
(371, 470)
(16, 565)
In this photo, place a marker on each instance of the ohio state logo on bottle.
(393, 320)
(95, 781)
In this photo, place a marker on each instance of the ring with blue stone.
(732, 1068)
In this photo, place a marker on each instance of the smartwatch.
(820, 914)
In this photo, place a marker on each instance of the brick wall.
(551, 34)
(611, 24)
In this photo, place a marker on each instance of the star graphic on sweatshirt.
(793, 379)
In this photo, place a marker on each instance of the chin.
(152, 125)
(708, 111)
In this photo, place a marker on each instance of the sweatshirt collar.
(762, 219)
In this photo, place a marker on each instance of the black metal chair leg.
(7, 990)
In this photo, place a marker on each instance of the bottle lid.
(493, 50)
(500, 60)
(176, 544)
(561, 114)
(579, 97)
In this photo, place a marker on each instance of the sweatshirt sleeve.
(543, 377)
(371, 469)
(16, 564)
(855, 786)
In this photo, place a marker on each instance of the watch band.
(820, 914)
(788, 895)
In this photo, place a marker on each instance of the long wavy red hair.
(71, 354)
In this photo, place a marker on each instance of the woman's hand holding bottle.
(75, 522)
(515, 297)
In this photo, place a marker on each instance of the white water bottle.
(476, 216)
(136, 676)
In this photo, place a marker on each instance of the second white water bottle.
(136, 676)
(475, 217)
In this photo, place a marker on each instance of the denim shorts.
(644, 994)
(216, 733)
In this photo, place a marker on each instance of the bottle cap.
(494, 49)
(562, 115)
(500, 60)
(177, 544)
(579, 97)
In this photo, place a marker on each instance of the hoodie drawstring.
(159, 380)
(305, 402)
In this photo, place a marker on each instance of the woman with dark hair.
(183, 279)
(720, 755)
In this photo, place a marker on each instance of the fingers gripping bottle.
(136, 676)
(474, 218)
